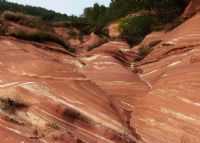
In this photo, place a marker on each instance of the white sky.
(63, 6)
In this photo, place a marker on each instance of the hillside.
(59, 84)
(45, 14)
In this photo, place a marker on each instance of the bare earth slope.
(45, 98)
(48, 96)
(170, 113)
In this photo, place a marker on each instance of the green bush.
(11, 105)
(3, 27)
(143, 51)
(72, 33)
(41, 37)
(158, 14)
(134, 28)
(26, 20)
(3, 30)
(46, 15)
(154, 43)
(137, 70)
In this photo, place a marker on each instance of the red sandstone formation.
(113, 30)
(89, 42)
(171, 108)
(117, 49)
(48, 96)
(56, 101)
(182, 39)
(193, 8)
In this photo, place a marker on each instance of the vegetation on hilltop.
(41, 37)
(143, 16)
(26, 20)
(48, 15)
(33, 17)
(136, 18)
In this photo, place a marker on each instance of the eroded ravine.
(46, 98)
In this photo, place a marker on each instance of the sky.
(68, 7)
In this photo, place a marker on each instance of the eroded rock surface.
(45, 98)
(192, 8)
(169, 112)
(117, 49)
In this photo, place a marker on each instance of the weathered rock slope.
(48, 96)
(169, 112)
(44, 97)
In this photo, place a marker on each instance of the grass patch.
(72, 33)
(143, 51)
(11, 105)
(3, 30)
(3, 27)
(26, 20)
(154, 43)
(134, 28)
(74, 115)
(42, 37)
(137, 70)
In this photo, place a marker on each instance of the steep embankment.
(170, 111)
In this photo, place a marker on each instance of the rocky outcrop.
(154, 36)
(48, 96)
(113, 30)
(44, 97)
(162, 103)
(171, 108)
(123, 86)
(117, 49)
(181, 39)
(89, 42)
(192, 8)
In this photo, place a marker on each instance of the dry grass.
(26, 20)
(42, 37)
(11, 104)
(143, 51)
(74, 115)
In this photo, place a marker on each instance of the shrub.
(158, 13)
(72, 33)
(47, 15)
(3, 27)
(26, 20)
(61, 24)
(154, 43)
(134, 28)
(41, 37)
(74, 115)
(3, 30)
(11, 105)
(137, 70)
(143, 51)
